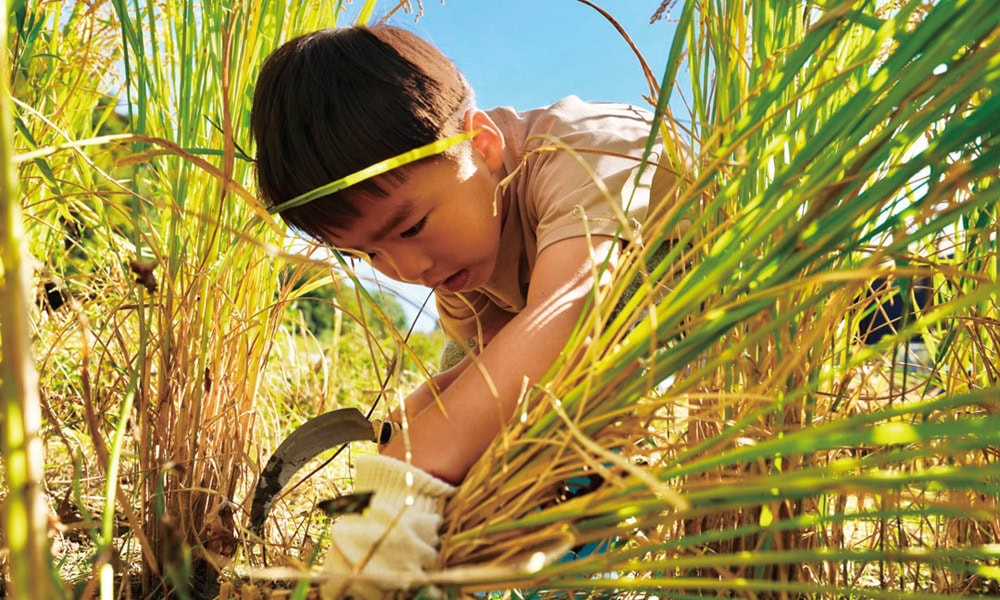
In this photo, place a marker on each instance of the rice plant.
(748, 439)
(25, 518)
(168, 355)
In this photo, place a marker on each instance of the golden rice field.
(161, 333)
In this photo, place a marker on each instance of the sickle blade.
(308, 441)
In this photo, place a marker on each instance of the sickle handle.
(385, 430)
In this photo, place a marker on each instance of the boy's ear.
(489, 141)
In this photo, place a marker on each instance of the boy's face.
(437, 228)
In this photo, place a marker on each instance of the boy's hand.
(395, 538)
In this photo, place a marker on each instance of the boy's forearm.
(446, 440)
(428, 392)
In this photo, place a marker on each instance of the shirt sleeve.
(584, 174)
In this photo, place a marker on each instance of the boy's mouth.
(456, 282)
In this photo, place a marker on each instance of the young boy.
(508, 228)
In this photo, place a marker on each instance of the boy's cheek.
(385, 270)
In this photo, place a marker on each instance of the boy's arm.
(424, 395)
(482, 397)
(427, 392)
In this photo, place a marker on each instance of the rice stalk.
(25, 514)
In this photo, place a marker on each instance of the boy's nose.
(409, 266)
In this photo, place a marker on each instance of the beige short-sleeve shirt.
(571, 169)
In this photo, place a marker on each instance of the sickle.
(305, 443)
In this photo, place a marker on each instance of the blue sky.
(530, 53)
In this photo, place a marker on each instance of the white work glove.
(402, 521)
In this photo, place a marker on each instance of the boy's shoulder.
(573, 120)
(573, 108)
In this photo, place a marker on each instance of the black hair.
(332, 102)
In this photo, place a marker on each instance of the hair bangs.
(333, 102)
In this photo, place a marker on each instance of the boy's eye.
(361, 255)
(412, 231)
